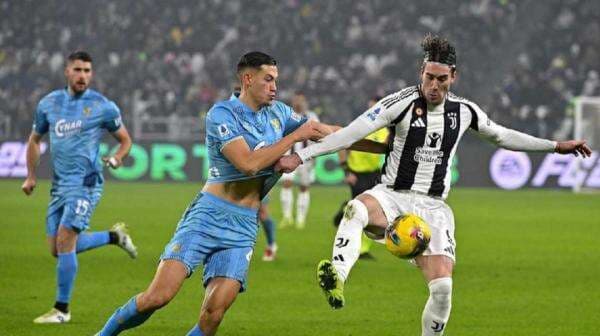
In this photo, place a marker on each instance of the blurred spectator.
(524, 60)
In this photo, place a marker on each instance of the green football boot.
(332, 286)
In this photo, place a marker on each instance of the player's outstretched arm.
(514, 140)
(33, 158)
(363, 145)
(122, 136)
(251, 162)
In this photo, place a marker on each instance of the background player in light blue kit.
(245, 136)
(76, 118)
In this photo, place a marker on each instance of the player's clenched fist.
(28, 186)
(288, 163)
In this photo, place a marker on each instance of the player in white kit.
(304, 176)
(427, 123)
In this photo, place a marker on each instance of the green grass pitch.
(528, 264)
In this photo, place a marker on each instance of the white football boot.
(124, 239)
(53, 316)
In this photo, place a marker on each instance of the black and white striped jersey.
(424, 139)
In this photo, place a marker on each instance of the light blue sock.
(126, 317)
(91, 240)
(66, 270)
(269, 227)
(195, 331)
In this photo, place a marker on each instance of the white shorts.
(304, 175)
(436, 213)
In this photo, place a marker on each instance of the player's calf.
(437, 309)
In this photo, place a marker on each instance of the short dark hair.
(255, 60)
(437, 49)
(80, 55)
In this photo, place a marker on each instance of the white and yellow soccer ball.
(408, 236)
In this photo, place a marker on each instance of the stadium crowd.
(523, 61)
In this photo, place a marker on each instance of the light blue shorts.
(217, 233)
(72, 209)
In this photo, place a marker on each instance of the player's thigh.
(51, 240)
(440, 220)
(167, 281)
(220, 295)
(231, 263)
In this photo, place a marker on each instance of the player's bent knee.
(213, 315)
(440, 290)
(356, 209)
(154, 300)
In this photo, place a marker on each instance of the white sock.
(302, 204)
(437, 309)
(346, 247)
(287, 198)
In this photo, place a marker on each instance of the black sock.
(62, 306)
(113, 237)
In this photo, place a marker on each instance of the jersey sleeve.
(292, 119)
(380, 115)
(505, 137)
(222, 126)
(111, 120)
(40, 120)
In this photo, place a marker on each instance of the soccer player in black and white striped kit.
(427, 123)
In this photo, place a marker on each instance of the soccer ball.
(407, 237)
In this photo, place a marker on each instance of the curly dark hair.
(437, 49)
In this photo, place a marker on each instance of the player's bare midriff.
(245, 193)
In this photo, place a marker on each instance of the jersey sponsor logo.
(13, 158)
(67, 128)
(419, 111)
(427, 155)
(373, 114)
(249, 255)
(418, 123)
(432, 139)
(223, 130)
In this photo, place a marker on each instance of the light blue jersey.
(76, 125)
(215, 232)
(230, 120)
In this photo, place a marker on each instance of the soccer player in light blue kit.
(76, 118)
(245, 136)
